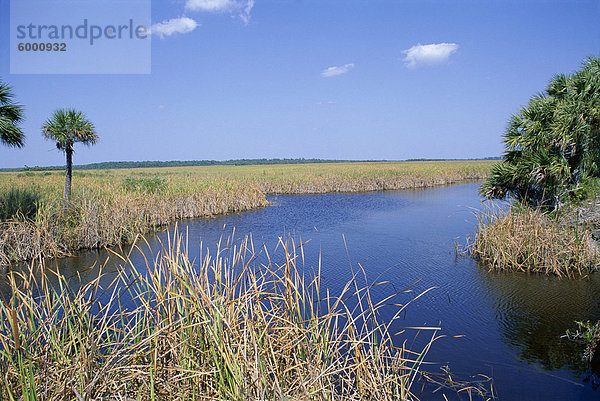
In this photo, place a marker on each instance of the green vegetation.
(587, 189)
(552, 144)
(11, 114)
(233, 162)
(142, 184)
(229, 329)
(110, 207)
(67, 127)
(551, 164)
(588, 334)
(17, 203)
(186, 163)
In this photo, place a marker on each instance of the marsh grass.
(143, 184)
(530, 240)
(108, 216)
(19, 203)
(226, 327)
(110, 207)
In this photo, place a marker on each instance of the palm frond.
(11, 115)
(69, 126)
(553, 141)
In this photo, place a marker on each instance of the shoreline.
(109, 215)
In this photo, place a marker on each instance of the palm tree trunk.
(69, 169)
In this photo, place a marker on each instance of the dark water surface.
(512, 323)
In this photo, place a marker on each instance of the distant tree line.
(195, 163)
(422, 159)
(179, 163)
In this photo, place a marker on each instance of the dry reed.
(231, 328)
(529, 240)
(110, 207)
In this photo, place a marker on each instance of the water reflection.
(77, 271)
(511, 323)
(533, 312)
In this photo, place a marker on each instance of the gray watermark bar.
(80, 37)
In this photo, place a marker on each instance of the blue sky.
(314, 78)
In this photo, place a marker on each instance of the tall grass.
(100, 217)
(19, 203)
(228, 328)
(149, 185)
(110, 207)
(530, 240)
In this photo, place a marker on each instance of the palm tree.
(66, 127)
(553, 143)
(11, 114)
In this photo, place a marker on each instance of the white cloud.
(240, 7)
(427, 55)
(339, 70)
(245, 15)
(175, 25)
(210, 5)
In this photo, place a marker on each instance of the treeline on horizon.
(197, 163)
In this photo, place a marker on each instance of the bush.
(587, 189)
(152, 185)
(18, 202)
